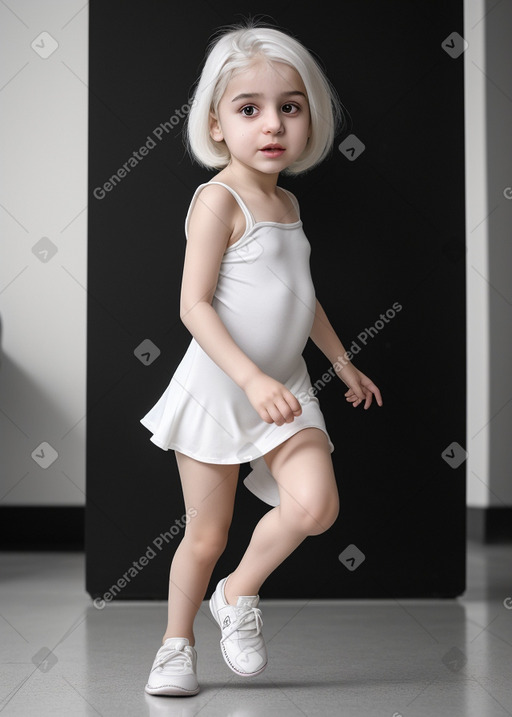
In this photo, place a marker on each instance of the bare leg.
(309, 505)
(210, 490)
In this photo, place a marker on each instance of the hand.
(272, 400)
(361, 388)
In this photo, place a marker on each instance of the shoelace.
(246, 615)
(168, 654)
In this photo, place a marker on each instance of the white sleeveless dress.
(266, 299)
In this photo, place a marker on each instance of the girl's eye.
(290, 109)
(248, 110)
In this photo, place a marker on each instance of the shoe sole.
(212, 604)
(171, 691)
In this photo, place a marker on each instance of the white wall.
(43, 152)
(499, 192)
(488, 123)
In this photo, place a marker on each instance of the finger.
(286, 410)
(292, 402)
(360, 399)
(354, 394)
(373, 388)
(265, 415)
(378, 397)
(275, 414)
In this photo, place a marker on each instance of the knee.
(207, 545)
(321, 521)
(314, 518)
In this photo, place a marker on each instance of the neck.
(249, 178)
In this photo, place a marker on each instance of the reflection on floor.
(415, 658)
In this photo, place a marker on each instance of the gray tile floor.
(410, 658)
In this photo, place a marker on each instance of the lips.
(272, 150)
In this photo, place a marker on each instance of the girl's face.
(263, 117)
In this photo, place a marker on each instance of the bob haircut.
(233, 52)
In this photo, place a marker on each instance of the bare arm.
(323, 335)
(361, 388)
(209, 230)
(210, 227)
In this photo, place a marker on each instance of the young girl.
(261, 106)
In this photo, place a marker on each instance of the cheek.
(305, 128)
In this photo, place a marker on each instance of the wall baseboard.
(35, 528)
(490, 525)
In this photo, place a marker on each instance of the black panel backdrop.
(386, 228)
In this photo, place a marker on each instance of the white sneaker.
(174, 669)
(242, 643)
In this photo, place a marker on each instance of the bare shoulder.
(215, 205)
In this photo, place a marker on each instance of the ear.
(215, 128)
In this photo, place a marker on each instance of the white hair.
(233, 52)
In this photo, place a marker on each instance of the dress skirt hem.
(260, 480)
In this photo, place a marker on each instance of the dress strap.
(247, 214)
(293, 200)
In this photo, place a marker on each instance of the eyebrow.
(250, 95)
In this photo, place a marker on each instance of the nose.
(272, 123)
